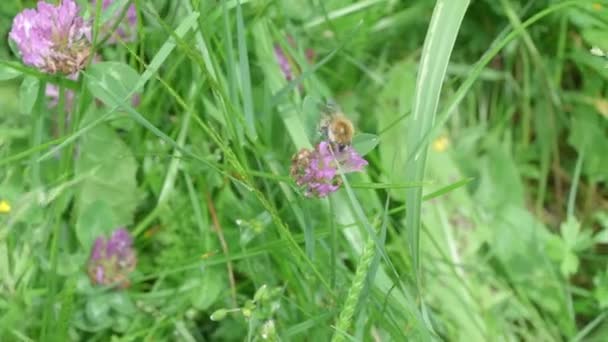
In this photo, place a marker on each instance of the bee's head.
(340, 147)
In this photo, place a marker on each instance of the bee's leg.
(324, 132)
(341, 147)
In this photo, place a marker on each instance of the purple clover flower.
(53, 38)
(127, 29)
(290, 69)
(318, 171)
(112, 259)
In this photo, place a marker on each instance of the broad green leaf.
(70, 263)
(570, 230)
(110, 81)
(122, 303)
(211, 285)
(500, 181)
(109, 169)
(83, 284)
(569, 264)
(121, 323)
(95, 219)
(97, 310)
(28, 93)
(365, 143)
(588, 136)
(8, 73)
(555, 247)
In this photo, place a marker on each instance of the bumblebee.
(336, 128)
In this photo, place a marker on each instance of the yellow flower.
(441, 144)
(5, 207)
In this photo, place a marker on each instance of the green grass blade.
(245, 74)
(438, 45)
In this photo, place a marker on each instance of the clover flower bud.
(112, 259)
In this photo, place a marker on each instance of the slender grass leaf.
(438, 45)
(28, 93)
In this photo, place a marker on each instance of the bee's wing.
(330, 107)
(312, 114)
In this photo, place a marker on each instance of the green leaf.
(83, 285)
(122, 303)
(569, 264)
(163, 53)
(311, 115)
(109, 170)
(97, 310)
(111, 81)
(70, 263)
(121, 324)
(570, 230)
(8, 73)
(209, 289)
(365, 142)
(28, 93)
(601, 237)
(393, 124)
(245, 81)
(601, 289)
(94, 219)
(596, 37)
(588, 136)
(438, 44)
(555, 247)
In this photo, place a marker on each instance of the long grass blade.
(438, 45)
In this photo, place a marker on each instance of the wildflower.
(441, 144)
(126, 29)
(112, 260)
(318, 171)
(5, 207)
(283, 62)
(286, 63)
(53, 38)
